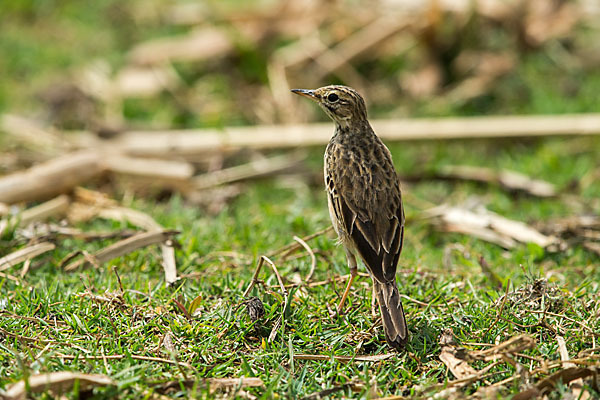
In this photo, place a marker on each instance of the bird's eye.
(333, 97)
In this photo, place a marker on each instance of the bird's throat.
(352, 127)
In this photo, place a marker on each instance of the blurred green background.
(437, 59)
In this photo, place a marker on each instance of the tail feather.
(392, 313)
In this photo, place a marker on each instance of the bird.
(365, 201)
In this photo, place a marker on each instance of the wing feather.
(367, 210)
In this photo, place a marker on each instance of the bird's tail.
(392, 314)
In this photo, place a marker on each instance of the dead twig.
(583, 325)
(325, 357)
(328, 392)
(125, 246)
(254, 280)
(121, 356)
(290, 248)
(339, 278)
(32, 134)
(487, 226)
(254, 169)
(510, 180)
(366, 39)
(54, 231)
(50, 178)
(213, 383)
(11, 277)
(284, 292)
(120, 284)
(421, 303)
(202, 141)
(41, 212)
(313, 259)
(565, 376)
(592, 246)
(26, 338)
(109, 298)
(56, 382)
(207, 42)
(169, 171)
(513, 345)
(458, 383)
(27, 253)
(145, 221)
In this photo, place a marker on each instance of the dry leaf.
(167, 343)
(197, 302)
(454, 357)
(576, 385)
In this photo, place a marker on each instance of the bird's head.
(342, 103)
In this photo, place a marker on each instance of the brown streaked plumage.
(365, 202)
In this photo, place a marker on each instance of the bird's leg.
(373, 302)
(353, 272)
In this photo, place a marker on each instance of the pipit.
(365, 203)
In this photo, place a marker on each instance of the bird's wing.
(369, 208)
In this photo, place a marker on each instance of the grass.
(51, 321)
(51, 305)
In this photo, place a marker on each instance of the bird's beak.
(306, 93)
